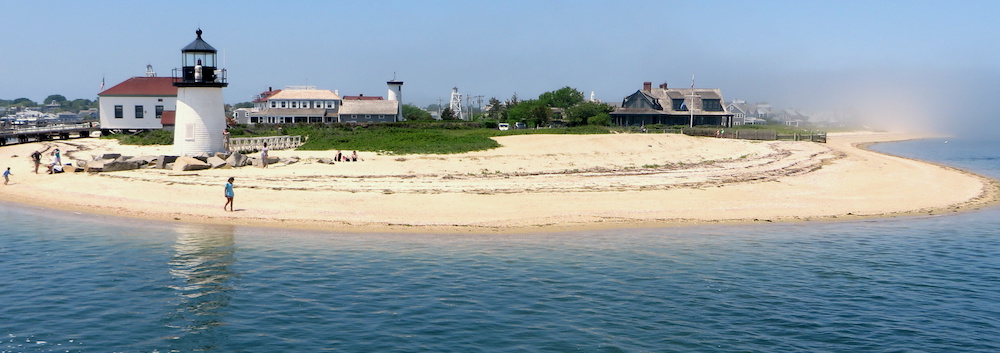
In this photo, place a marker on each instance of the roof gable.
(143, 86)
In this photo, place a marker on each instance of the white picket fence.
(251, 144)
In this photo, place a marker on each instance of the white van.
(503, 126)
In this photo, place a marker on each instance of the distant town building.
(672, 106)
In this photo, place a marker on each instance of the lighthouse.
(396, 94)
(200, 116)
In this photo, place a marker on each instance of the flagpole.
(691, 106)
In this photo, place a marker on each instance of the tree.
(414, 113)
(448, 114)
(581, 113)
(532, 112)
(54, 97)
(497, 110)
(562, 98)
(24, 102)
(602, 119)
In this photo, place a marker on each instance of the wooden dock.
(47, 133)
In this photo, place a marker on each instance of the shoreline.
(608, 181)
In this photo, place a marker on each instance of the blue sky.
(803, 54)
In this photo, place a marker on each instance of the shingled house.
(672, 106)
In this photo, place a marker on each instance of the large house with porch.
(672, 106)
(306, 104)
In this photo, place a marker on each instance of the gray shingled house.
(672, 106)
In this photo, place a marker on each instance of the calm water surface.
(84, 283)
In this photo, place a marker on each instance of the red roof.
(362, 97)
(264, 96)
(167, 118)
(143, 86)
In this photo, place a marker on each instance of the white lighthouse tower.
(200, 117)
(396, 94)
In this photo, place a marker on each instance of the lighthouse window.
(138, 112)
(119, 112)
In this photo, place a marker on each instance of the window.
(679, 104)
(159, 111)
(119, 112)
(712, 105)
(330, 104)
(138, 112)
(282, 104)
(295, 104)
(274, 104)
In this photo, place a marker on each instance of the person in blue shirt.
(6, 176)
(229, 194)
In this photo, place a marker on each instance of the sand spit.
(533, 183)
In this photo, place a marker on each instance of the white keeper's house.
(138, 103)
(306, 104)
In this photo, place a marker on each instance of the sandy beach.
(532, 183)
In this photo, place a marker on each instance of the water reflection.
(201, 267)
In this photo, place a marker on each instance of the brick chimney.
(663, 85)
(647, 86)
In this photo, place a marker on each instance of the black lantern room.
(200, 66)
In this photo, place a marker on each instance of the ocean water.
(85, 283)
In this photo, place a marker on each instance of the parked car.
(503, 126)
(520, 126)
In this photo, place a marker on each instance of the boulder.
(290, 160)
(143, 160)
(189, 163)
(237, 160)
(216, 162)
(325, 160)
(118, 165)
(162, 161)
(108, 156)
(95, 166)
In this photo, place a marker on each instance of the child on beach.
(6, 176)
(229, 194)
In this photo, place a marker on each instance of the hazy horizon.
(897, 61)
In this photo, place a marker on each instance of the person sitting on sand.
(354, 156)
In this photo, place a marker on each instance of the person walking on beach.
(263, 156)
(37, 159)
(225, 140)
(229, 194)
(6, 176)
(56, 159)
